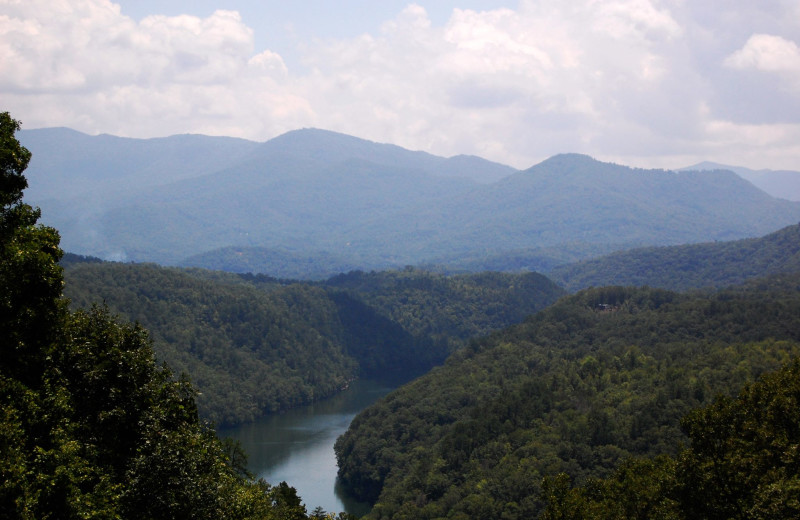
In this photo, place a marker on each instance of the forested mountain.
(314, 194)
(692, 266)
(783, 184)
(449, 309)
(248, 351)
(578, 388)
(254, 344)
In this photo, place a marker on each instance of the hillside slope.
(693, 266)
(254, 345)
(578, 388)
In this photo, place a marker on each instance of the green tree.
(744, 460)
(30, 304)
(30, 314)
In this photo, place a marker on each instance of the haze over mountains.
(330, 202)
(689, 266)
(784, 184)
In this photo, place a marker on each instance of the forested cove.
(254, 344)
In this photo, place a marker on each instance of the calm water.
(297, 446)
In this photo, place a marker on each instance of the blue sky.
(280, 25)
(288, 27)
(653, 83)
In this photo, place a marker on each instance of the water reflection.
(297, 446)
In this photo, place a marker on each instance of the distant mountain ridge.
(313, 192)
(69, 163)
(783, 184)
(575, 196)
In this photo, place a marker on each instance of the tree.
(744, 460)
(30, 304)
(31, 311)
(14, 159)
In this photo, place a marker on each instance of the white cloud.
(614, 78)
(85, 65)
(767, 52)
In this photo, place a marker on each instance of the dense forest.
(90, 425)
(691, 266)
(253, 344)
(742, 462)
(578, 388)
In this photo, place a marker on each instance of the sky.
(649, 83)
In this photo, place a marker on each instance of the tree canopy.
(579, 388)
(742, 463)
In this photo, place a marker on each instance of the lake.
(297, 446)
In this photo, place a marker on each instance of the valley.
(547, 330)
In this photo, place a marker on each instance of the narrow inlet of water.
(296, 447)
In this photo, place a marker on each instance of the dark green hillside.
(248, 351)
(537, 259)
(716, 264)
(255, 344)
(437, 313)
(450, 309)
(578, 388)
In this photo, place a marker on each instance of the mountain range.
(329, 202)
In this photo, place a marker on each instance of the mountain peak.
(568, 162)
